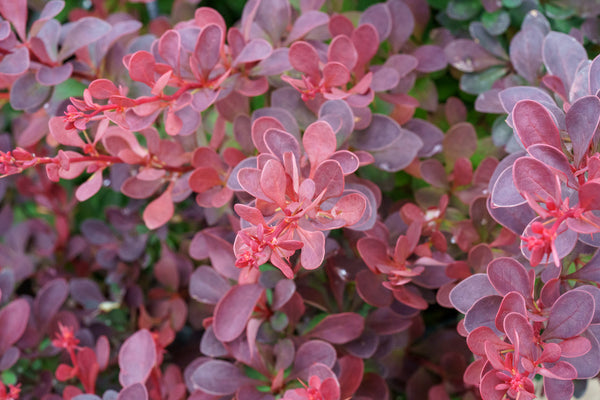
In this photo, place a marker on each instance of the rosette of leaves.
(518, 331)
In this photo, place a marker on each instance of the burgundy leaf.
(219, 378)
(467, 292)
(49, 300)
(534, 179)
(582, 121)
(311, 352)
(233, 311)
(570, 315)
(508, 275)
(14, 318)
(338, 328)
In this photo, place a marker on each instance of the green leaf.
(481, 81)
(463, 10)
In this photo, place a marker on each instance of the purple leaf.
(555, 159)
(582, 121)
(284, 290)
(380, 17)
(513, 303)
(51, 76)
(206, 286)
(234, 309)
(305, 23)
(27, 94)
(467, 56)
(338, 328)
(570, 315)
(311, 352)
(403, 24)
(483, 313)
(508, 275)
(137, 357)
(13, 319)
(431, 58)
(504, 191)
(255, 50)
(15, 63)
(526, 53)
(49, 300)
(562, 55)
(81, 33)
(136, 391)
(467, 292)
(208, 46)
(219, 378)
(86, 292)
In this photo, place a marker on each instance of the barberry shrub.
(299, 200)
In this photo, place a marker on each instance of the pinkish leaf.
(208, 47)
(67, 137)
(233, 311)
(304, 58)
(338, 328)
(341, 49)
(160, 210)
(350, 208)
(319, 142)
(137, 357)
(313, 251)
(136, 391)
(90, 187)
(273, 182)
(329, 177)
(15, 12)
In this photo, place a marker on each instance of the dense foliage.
(299, 200)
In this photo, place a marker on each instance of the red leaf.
(13, 320)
